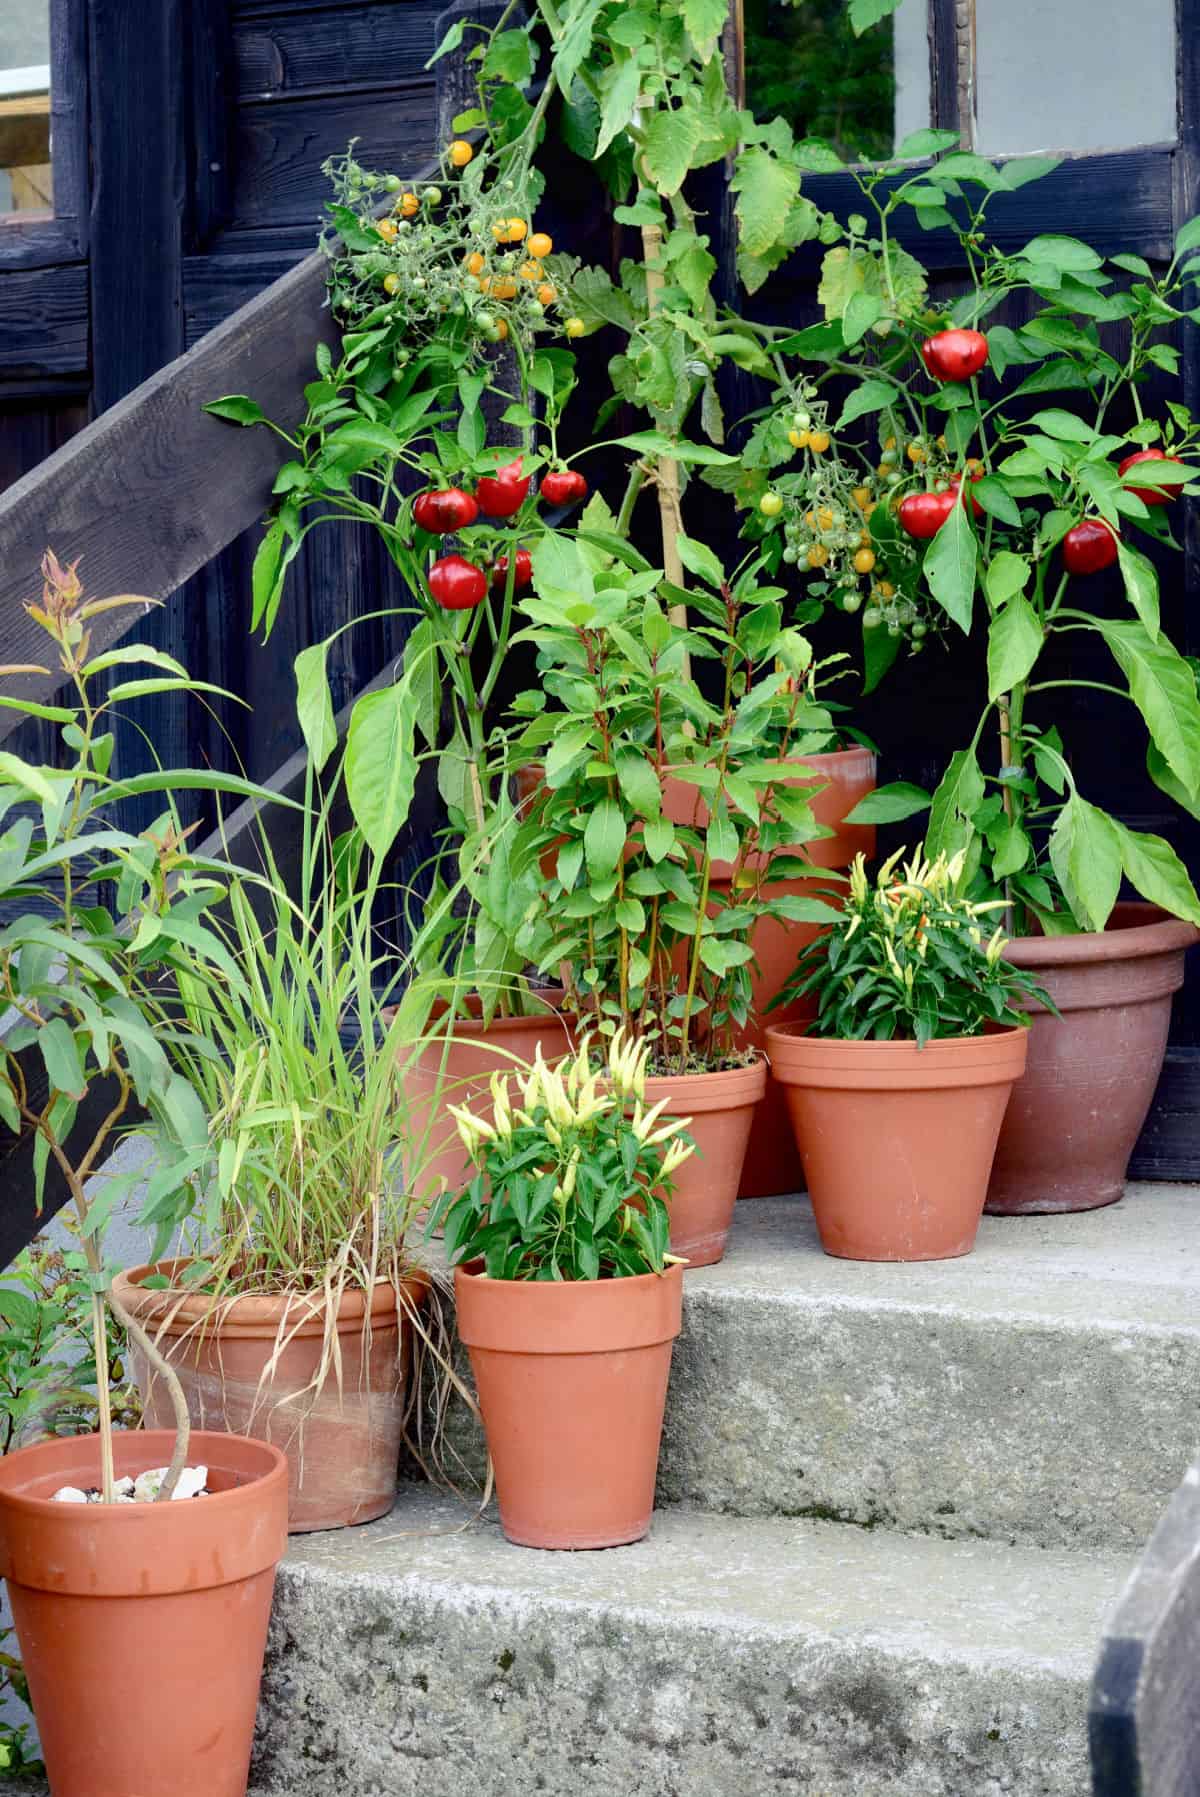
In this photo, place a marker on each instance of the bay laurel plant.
(910, 959)
(659, 810)
(573, 1172)
(999, 487)
(94, 932)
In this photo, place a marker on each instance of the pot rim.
(204, 1449)
(1161, 933)
(568, 1316)
(631, 1283)
(829, 1062)
(178, 1309)
(727, 1088)
(797, 1033)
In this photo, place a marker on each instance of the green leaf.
(1064, 427)
(919, 144)
(719, 954)
(699, 560)
(1015, 640)
(451, 41)
(1060, 253)
(266, 577)
(949, 567)
(1163, 688)
(1188, 236)
(767, 189)
(314, 704)
(1141, 586)
(1006, 575)
(962, 165)
(890, 804)
(865, 13)
(381, 764)
(619, 92)
(671, 140)
(1085, 852)
(958, 796)
(64, 1069)
(863, 310)
(638, 781)
(509, 57)
(995, 498)
(705, 21)
(1156, 872)
(237, 408)
(1166, 781)
(659, 838)
(869, 396)
(658, 443)
(721, 840)
(604, 839)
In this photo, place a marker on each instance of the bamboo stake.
(667, 472)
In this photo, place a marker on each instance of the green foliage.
(573, 1177)
(907, 960)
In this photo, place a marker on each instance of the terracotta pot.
(572, 1383)
(1091, 1074)
(722, 1106)
(142, 1626)
(839, 781)
(897, 1141)
(459, 1073)
(342, 1446)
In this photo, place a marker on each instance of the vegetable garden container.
(458, 1071)
(724, 1109)
(838, 782)
(1089, 1082)
(897, 1141)
(340, 1433)
(142, 1626)
(572, 1383)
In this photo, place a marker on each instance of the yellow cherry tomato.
(531, 270)
(941, 442)
(460, 152)
(387, 229)
(974, 465)
(825, 518)
(890, 443)
(861, 497)
(504, 287)
(798, 439)
(864, 561)
(771, 504)
(484, 283)
(547, 293)
(574, 327)
(408, 205)
(501, 329)
(391, 283)
(916, 453)
(864, 539)
(887, 590)
(818, 442)
(818, 555)
(476, 263)
(540, 245)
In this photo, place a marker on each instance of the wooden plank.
(215, 286)
(210, 137)
(333, 51)
(44, 322)
(1144, 1712)
(281, 146)
(943, 65)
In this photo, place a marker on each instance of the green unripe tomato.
(894, 478)
(791, 555)
(888, 456)
(872, 618)
(919, 630)
(801, 420)
(391, 183)
(771, 504)
(485, 319)
(432, 196)
(851, 601)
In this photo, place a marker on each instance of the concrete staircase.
(896, 1504)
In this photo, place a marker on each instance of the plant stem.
(163, 1367)
(103, 1400)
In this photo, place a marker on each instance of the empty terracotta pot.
(572, 1384)
(838, 782)
(1090, 1077)
(342, 1445)
(458, 1071)
(724, 1108)
(897, 1141)
(142, 1626)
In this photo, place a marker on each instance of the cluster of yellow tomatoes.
(516, 271)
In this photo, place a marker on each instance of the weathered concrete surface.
(1041, 1389)
(720, 1658)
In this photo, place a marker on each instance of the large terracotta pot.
(723, 1108)
(342, 1445)
(1091, 1073)
(142, 1626)
(458, 1071)
(838, 782)
(897, 1141)
(572, 1384)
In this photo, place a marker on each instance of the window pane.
(25, 183)
(862, 94)
(1077, 75)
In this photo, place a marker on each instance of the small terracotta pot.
(1091, 1073)
(342, 1445)
(572, 1383)
(838, 782)
(723, 1107)
(897, 1141)
(142, 1626)
(459, 1073)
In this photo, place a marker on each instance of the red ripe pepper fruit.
(1150, 495)
(522, 577)
(445, 510)
(956, 483)
(954, 355)
(457, 584)
(1089, 546)
(923, 514)
(502, 495)
(563, 488)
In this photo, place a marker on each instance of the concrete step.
(722, 1657)
(1039, 1390)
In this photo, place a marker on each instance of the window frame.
(38, 242)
